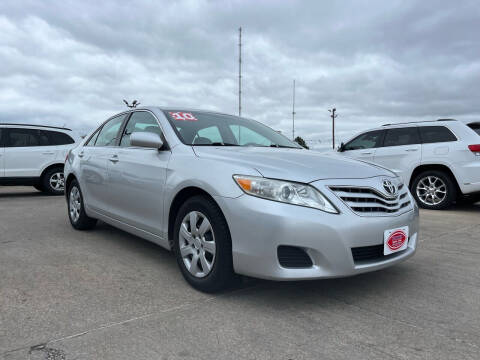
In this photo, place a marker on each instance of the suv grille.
(369, 201)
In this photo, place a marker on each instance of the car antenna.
(135, 103)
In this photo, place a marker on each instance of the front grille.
(293, 257)
(370, 201)
(370, 253)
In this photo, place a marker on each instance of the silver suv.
(439, 160)
(231, 196)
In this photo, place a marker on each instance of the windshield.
(209, 129)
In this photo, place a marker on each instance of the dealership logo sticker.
(182, 116)
(395, 240)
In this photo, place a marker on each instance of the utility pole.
(240, 71)
(293, 113)
(333, 115)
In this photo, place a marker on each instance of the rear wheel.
(203, 246)
(434, 190)
(76, 209)
(53, 181)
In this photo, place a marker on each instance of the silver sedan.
(231, 196)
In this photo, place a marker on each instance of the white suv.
(440, 160)
(34, 155)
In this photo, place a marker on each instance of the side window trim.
(381, 140)
(122, 128)
(94, 134)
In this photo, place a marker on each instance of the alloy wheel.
(75, 204)
(431, 190)
(197, 244)
(57, 181)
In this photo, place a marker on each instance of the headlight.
(285, 191)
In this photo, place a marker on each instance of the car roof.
(182, 108)
(413, 123)
(36, 125)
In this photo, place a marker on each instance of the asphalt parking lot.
(105, 294)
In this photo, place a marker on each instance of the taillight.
(475, 149)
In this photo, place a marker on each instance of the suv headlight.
(285, 191)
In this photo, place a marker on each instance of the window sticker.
(182, 116)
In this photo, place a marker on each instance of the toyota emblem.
(389, 187)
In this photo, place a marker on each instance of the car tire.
(53, 181)
(434, 190)
(203, 250)
(76, 209)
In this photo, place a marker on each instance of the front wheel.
(434, 190)
(76, 209)
(203, 246)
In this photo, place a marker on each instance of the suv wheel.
(203, 246)
(53, 181)
(76, 210)
(434, 190)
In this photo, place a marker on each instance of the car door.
(437, 144)
(137, 177)
(2, 154)
(363, 147)
(400, 151)
(94, 157)
(27, 152)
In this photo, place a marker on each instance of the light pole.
(333, 115)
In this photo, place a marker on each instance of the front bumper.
(259, 226)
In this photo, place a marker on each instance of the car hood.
(292, 164)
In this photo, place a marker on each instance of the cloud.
(70, 62)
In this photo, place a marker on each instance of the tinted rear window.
(19, 137)
(59, 138)
(435, 134)
(475, 127)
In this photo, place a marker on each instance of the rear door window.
(401, 136)
(18, 137)
(436, 134)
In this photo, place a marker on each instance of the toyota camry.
(231, 196)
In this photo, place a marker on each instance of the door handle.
(366, 153)
(80, 154)
(411, 150)
(48, 153)
(114, 158)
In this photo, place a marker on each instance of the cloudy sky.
(72, 62)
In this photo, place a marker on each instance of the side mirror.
(146, 140)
